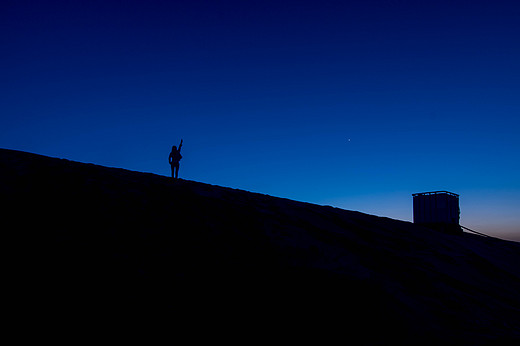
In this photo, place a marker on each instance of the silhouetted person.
(174, 158)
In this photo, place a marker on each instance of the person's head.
(174, 148)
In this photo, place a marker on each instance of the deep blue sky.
(267, 94)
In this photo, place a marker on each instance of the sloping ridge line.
(113, 236)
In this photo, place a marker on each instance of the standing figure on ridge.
(174, 158)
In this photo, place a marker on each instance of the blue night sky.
(355, 104)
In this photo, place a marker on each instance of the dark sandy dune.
(108, 241)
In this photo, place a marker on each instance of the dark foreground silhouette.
(174, 158)
(110, 243)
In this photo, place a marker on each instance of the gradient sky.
(355, 104)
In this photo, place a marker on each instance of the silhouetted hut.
(438, 210)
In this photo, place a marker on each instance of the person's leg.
(173, 170)
(176, 171)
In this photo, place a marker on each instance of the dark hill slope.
(107, 239)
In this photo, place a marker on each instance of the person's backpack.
(176, 157)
